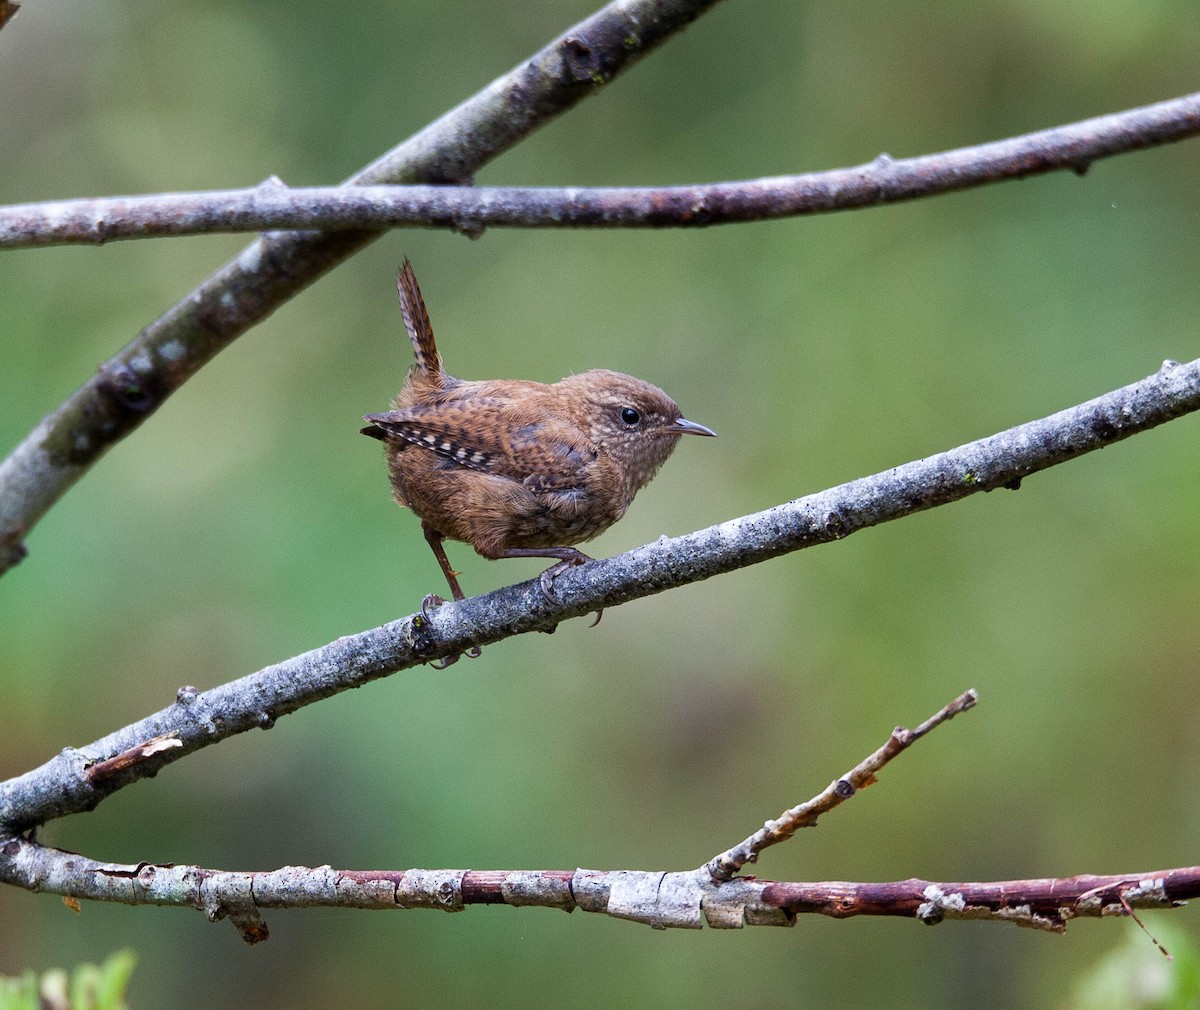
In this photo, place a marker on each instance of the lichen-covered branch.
(688, 899)
(63, 785)
(137, 380)
(884, 180)
(656, 898)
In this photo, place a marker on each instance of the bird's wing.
(480, 434)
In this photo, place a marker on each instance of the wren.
(519, 469)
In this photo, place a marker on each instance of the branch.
(129, 387)
(471, 210)
(723, 867)
(63, 786)
(660, 899)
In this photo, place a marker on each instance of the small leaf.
(1135, 976)
(114, 980)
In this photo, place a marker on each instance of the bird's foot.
(432, 602)
(546, 580)
(472, 653)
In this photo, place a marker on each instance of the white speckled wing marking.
(471, 434)
(431, 429)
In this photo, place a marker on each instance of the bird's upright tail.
(416, 321)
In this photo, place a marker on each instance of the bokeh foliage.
(87, 987)
(247, 520)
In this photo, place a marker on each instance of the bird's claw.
(546, 579)
(431, 602)
(445, 661)
(546, 582)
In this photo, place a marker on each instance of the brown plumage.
(517, 468)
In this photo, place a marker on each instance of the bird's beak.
(681, 426)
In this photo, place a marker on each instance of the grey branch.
(129, 387)
(63, 785)
(470, 210)
(681, 900)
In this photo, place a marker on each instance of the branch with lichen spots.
(662, 900)
(198, 719)
(689, 899)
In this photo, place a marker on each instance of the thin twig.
(61, 786)
(129, 387)
(470, 210)
(805, 815)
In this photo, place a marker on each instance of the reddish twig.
(724, 866)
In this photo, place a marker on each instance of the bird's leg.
(567, 557)
(432, 600)
(434, 539)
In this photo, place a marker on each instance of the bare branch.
(882, 181)
(62, 786)
(688, 900)
(805, 815)
(129, 387)
(1041, 903)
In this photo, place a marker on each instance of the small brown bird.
(519, 469)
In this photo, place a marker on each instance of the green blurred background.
(248, 521)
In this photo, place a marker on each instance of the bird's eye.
(630, 416)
